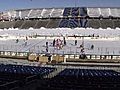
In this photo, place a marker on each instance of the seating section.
(57, 12)
(12, 14)
(35, 13)
(118, 11)
(53, 23)
(67, 12)
(93, 12)
(61, 12)
(113, 12)
(62, 23)
(75, 11)
(17, 16)
(28, 24)
(14, 75)
(24, 14)
(46, 13)
(69, 17)
(93, 23)
(105, 12)
(72, 23)
(83, 12)
(6, 24)
(18, 23)
(27, 70)
(5, 16)
(116, 23)
(106, 23)
(83, 23)
(83, 79)
(9, 24)
(41, 23)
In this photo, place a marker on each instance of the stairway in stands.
(55, 72)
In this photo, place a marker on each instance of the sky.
(21, 4)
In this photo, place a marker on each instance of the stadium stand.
(11, 14)
(7, 24)
(24, 14)
(42, 23)
(18, 23)
(17, 16)
(83, 79)
(57, 12)
(105, 12)
(28, 24)
(53, 23)
(93, 12)
(12, 76)
(35, 13)
(0, 16)
(67, 12)
(83, 11)
(116, 23)
(71, 23)
(75, 11)
(83, 23)
(70, 17)
(113, 12)
(106, 23)
(63, 23)
(93, 23)
(5, 16)
(118, 11)
(46, 13)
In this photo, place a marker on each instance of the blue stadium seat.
(10, 73)
(83, 11)
(72, 23)
(75, 11)
(67, 12)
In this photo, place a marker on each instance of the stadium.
(70, 48)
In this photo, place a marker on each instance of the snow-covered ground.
(108, 41)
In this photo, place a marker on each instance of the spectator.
(53, 42)
(17, 40)
(46, 49)
(74, 36)
(26, 38)
(64, 41)
(81, 46)
(25, 43)
(92, 46)
(82, 50)
(75, 42)
(47, 44)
